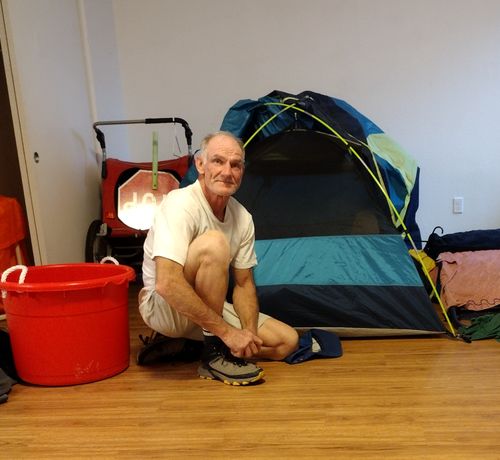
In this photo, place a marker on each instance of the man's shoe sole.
(208, 374)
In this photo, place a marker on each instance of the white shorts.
(162, 318)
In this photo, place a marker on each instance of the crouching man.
(200, 232)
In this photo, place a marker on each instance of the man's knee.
(208, 253)
(211, 247)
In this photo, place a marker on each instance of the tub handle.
(109, 258)
(22, 276)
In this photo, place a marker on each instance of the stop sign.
(137, 200)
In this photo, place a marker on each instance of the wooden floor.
(414, 398)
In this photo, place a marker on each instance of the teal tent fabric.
(368, 260)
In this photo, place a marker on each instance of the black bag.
(8, 372)
(6, 357)
(474, 240)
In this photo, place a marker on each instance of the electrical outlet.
(458, 205)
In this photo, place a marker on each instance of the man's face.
(222, 169)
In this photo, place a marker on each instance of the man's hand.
(242, 343)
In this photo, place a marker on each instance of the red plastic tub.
(68, 324)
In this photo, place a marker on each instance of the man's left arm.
(245, 300)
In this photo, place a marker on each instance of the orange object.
(12, 234)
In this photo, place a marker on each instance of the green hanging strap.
(154, 169)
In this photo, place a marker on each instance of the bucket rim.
(126, 274)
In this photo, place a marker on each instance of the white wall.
(104, 73)
(426, 72)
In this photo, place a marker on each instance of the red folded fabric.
(12, 226)
(12, 232)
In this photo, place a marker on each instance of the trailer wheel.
(96, 245)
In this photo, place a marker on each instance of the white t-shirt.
(185, 214)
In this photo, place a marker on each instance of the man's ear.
(198, 161)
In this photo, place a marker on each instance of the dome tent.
(330, 194)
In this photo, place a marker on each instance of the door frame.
(18, 133)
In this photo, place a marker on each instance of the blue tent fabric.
(329, 252)
(368, 126)
(345, 281)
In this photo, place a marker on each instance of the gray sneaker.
(217, 363)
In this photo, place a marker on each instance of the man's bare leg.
(207, 268)
(280, 340)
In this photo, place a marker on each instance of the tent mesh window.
(317, 187)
